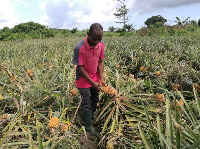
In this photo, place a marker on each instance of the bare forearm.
(101, 69)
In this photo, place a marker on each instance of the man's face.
(95, 37)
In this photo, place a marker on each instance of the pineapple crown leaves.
(56, 114)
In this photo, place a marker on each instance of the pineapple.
(179, 109)
(176, 87)
(64, 127)
(157, 73)
(177, 105)
(197, 87)
(160, 97)
(54, 121)
(118, 66)
(109, 90)
(146, 69)
(73, 91)
(29, 73)
(109, 145)
(141, 68)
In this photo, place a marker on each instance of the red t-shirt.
(88, 57)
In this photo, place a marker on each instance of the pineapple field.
(152, 99)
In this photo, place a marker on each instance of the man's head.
(95, 34)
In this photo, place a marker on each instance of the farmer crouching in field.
(88, 56)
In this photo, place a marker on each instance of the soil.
(88, 142)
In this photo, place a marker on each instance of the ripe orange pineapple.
(141, 68)
(176, 87)
(146, 69)
(157, 73)
(177, 105)
(159, 97)
(73, 91)
(118, 66)
(197, 87)
(54, 121)
(29, 73)
(109, 90)
(64, 127)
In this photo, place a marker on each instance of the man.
(88, 56)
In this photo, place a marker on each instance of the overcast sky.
(68, 14)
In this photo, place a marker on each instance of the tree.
(199, 22)
(74, 30)
(129, 27)
(111, 28)
(154, 19)
(27, 27)
(121, 14)
(179, 22)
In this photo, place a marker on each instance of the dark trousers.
(90, 98)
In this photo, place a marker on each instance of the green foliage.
(154, 19)
(74, 30)
(111, 29)
(129, 27)
(26, 30)
(27, 27)
(184, 22)
(199, 22)
(132, 119)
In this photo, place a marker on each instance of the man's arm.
(86, 76)
(100, 70)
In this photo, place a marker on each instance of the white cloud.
(7, 15)
(69, 13)
(145, 6)
(80, 13)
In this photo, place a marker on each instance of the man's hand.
(102, 83)
(95, 85)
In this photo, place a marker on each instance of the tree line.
(155, 24)
(31, 30)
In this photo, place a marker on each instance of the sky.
(69, 14)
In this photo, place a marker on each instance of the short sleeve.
(102, 54)
(78, 56)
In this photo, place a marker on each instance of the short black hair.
(96, 26)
